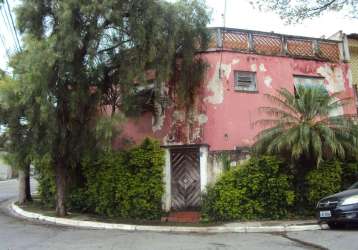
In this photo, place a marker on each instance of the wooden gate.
(185, 178)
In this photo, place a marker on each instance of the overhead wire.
(9, 37)
(8, 26)
(13, 24)
(5, 29)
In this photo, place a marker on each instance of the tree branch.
(113, 47)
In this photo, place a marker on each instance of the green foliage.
(349, 174)
(122, 184)
(127, 184)
(16, 133)
(107, 129)
(225, 159)
(296, 11)
(303, 127)
(323, 181)
(46, 181)
(254, 190)
(93, 48)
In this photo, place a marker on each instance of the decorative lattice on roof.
(236, 40)
(275, 44)
(269, 45)
(300, 47)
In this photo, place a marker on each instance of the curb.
(176, 229)
(8, 180)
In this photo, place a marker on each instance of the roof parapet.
(269, 43)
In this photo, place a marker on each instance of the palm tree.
(305, 125)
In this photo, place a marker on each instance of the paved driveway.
(20, 234)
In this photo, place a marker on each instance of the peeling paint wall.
(216, 84)
(223, 117)
(230, 123)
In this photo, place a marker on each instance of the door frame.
(203, 161)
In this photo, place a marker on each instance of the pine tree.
(76, 52)
(17, 134)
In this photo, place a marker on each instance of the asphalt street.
(17, 233)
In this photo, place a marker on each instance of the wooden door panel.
(185, 178)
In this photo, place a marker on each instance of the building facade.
(218, 129)
(349, 45)
(353, 52)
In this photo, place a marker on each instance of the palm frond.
(304, 126)
(277, 112)
(288, 102)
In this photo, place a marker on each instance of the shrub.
(323, 181)
(127, 184)
(257, 189)
(349, 174)
(46, 181)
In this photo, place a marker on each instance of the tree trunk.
(61, 189)
(24, 185)
(11, 173)
(28, 184)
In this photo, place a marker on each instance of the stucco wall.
(222, 117)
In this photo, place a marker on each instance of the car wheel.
(335, 225)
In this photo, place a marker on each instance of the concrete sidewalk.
(243, 227)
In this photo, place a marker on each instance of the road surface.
(16, 234)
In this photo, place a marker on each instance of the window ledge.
(247, 91)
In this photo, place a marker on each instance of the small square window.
(245, 81)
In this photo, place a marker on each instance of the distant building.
(353, 52)
(350, 49)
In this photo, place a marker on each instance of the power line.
(8, 25)
(13, 24)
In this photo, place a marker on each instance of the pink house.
(243, 66)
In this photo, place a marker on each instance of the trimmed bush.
(323, 181)
(349, 174)
(255, 190)
(127, 184)
(123, 184)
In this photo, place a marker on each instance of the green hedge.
(329, 178)
(127, 184)
(323, 181)
(349, 174)
(257, 189)
(124, 184)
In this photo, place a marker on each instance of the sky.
(239, 14)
